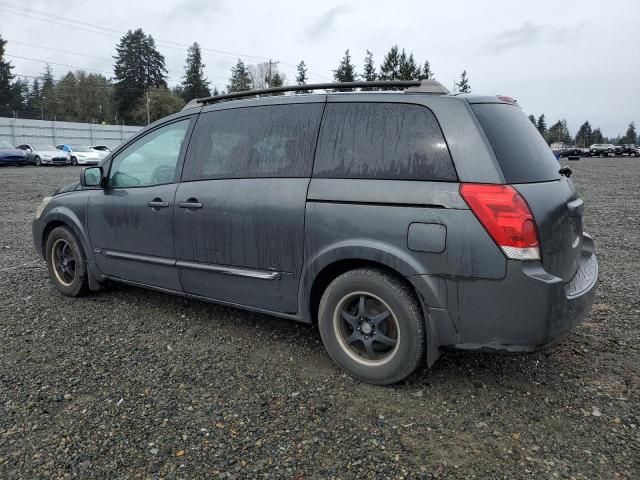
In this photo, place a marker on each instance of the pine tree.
(408, 69)
(48, 95)
(630, 136)
(240, 79)
(34, 103)
(542, 125)
(559, 132)
(369, 74)
(139, 66)
(194, 83)
(67, 97)
(584, 135)
(301, 77)
(5, 77)
(532, 119)
(463, 85)
(162, 102)
(426, 73)
(19, 94)
(390, 68)
(346, 71)
(596, 136)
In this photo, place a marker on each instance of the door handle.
(158, 203)
(190, 204)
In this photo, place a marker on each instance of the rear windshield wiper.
(566, 171)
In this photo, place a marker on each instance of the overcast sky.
(578, 60)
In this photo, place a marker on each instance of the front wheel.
(66, 262)
(74, 161)
(37, 161)
(372, 326)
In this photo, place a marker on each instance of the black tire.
(74, 285)
(632, 154)
(37, 161)
(404, 324)
(74, 161)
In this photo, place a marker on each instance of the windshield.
(4, 144)
(80, 148)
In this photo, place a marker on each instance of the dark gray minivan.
(402, 222)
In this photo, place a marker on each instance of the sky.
(572, 59)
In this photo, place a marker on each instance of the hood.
(12, 152)
(50, 153)
(67, 188)
(87, 154)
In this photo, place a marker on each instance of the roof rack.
(410, 86)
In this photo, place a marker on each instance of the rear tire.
(66, 262)
(74, 161)
(372, 326)
(37, 161)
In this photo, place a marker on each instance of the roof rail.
(411, 86)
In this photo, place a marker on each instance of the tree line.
(138, 92)
(585, 136)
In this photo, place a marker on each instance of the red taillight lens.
(506, 217)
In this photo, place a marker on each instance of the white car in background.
(45, 154)
(103, 149)
(81, 154)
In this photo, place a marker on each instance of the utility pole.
(148, 113)
(269, 72)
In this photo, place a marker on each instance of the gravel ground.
(129, 383)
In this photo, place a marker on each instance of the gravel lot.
(129, 383)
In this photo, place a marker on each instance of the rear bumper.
(529, 309)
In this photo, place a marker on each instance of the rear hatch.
(529, 165)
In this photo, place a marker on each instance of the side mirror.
(29, 150)
(91, 177)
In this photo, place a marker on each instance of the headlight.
(42, 206)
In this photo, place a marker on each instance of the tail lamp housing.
(506, 217)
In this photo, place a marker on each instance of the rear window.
(391, 141)
(523, 154)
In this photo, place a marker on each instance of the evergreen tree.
(139, 66)
(426, 73)
(542, 125)
(95, 93)
(194, 83)
(48, 95)
(346, 71)
(6, 77)
(67, 96)
(532, 119)
(559, 132)
(301, 77)
(630, 136)
(240, 79)
(369, 74)
(584, 135)
(34, 102)
(596, 136)
(19, 94)
(463, 85)
(390, 68)
(408, 69)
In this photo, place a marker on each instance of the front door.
(131, 219)
(239, 215)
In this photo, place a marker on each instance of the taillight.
(506, 217)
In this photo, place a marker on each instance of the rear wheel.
(66, 262)
(372, 326)
(37, 161)
(74, 161)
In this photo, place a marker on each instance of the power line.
(110, 32)
(57, 50)
(55, 63)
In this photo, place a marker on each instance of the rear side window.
(523, 154)
(254, 142)
(391, 141)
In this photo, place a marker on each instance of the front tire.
(372, 326)
(66, 262)
(37, 161)
(74, 161)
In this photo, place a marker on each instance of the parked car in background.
(400, 224)
(101, 148)
(45, 154)
(570, 152)
(634, 151)
(81, 154)
(10, 155)
(602, 149)
(630, 149)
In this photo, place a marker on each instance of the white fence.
(18, 131)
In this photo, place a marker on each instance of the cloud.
(324, 23)
(529, 34)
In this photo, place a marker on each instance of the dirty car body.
(268, 204)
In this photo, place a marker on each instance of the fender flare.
(68, 217)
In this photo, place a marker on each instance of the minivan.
(402, 221)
